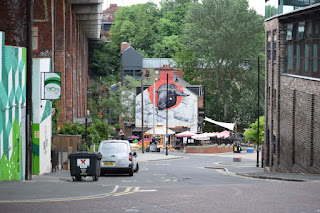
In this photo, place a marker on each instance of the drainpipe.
(28, 175)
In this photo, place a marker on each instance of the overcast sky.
(258, 5)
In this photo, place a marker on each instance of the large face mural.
(166, 96)
(181, 104)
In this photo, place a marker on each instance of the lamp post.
(142, 129)
(154, 104)
(167, 114)
(245, 66)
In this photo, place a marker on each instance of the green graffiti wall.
(12, 110)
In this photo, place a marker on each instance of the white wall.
(45, 145)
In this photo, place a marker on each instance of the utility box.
(85, 164)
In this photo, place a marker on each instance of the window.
(315, 58)
(106, 27)
(306, 57)
(269, 51)
(274, 46)
(35, 38)
(302, 41)
(290, 57)
(300, 30)
(289, 32)
(147, 75)
(298, 57)
(274, 144)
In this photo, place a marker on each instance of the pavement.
(55, 187)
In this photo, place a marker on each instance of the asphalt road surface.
(175, 186)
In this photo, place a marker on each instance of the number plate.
(108, 163)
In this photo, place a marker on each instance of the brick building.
(107, 21)
(36, 37)
(292, 80)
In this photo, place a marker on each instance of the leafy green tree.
(103, 62)
(220, 34)
(252, 133)
(136, 24)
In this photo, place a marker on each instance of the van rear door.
(123, 155)
(109, 153)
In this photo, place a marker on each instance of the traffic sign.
(121, 133)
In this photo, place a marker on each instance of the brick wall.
(292, 113)
(60, 53)
(69, 68)
(62, 39)
(13, 22)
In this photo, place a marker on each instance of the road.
(176, 186)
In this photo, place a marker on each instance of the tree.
(219, 34)
(251, 134)
(103, 62)
(136, 24)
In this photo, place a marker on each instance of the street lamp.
(167, 134)
(142, 129)
(167, 114)
(245, 66)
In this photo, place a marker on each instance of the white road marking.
(147, 190)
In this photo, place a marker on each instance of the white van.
(117, 157)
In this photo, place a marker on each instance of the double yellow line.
(125, 192)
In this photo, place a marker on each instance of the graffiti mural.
(181, 104)
(12, 111)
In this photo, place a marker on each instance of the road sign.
(121, 133)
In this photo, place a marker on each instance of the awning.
(185, 134)
(229, 126)
(201, 137)
(159, 130)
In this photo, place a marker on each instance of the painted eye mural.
(175, 95)
(52, 86)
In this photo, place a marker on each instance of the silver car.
(117, 156)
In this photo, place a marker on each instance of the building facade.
(38, 37)
(292, 80)
(107, 22)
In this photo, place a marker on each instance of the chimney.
(123, 46)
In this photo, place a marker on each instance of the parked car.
(117, 156)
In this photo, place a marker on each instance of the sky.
(258, 5)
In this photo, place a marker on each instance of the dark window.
(106, 27)
(302, 48)
(269, 50)
(315, 58)
(147, 74)
(274, 144)
(290, 58)
(274, 46)
(306, 58)
(298, 58)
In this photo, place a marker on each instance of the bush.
(97, 132)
